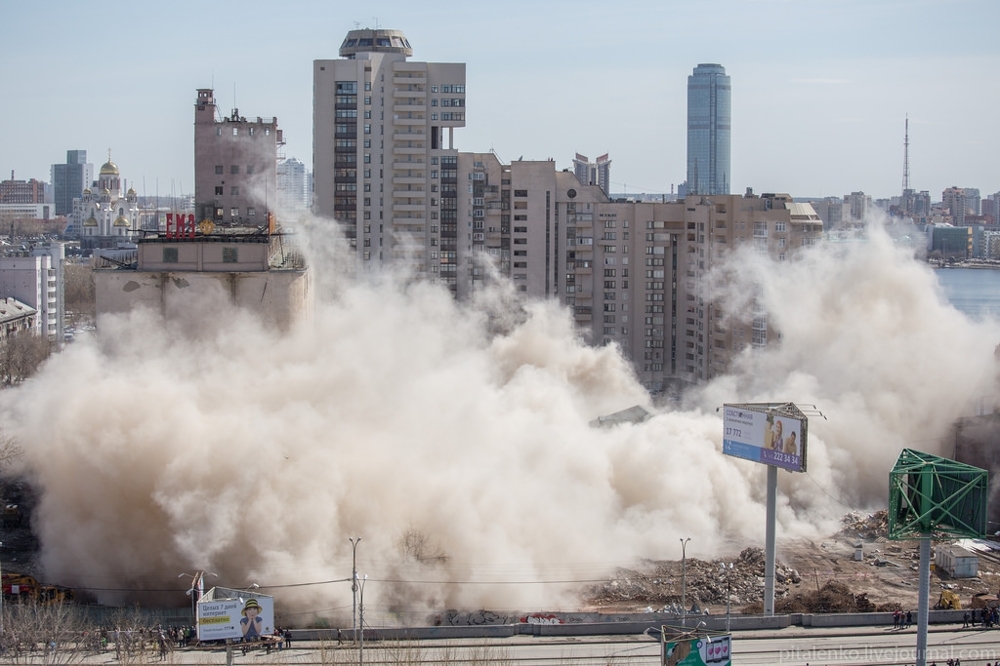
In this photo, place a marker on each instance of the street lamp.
(361, 640)
(727, 572)
(354, 584)
(197, 589)
(684, 581)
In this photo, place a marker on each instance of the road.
(794, 646)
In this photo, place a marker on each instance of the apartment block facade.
(632, 273)
(235, 165)
(384, 157)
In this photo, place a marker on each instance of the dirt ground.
(810, 576)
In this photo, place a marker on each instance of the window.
(229, 255)
(170, 255)
(219, 169)
(236, 131)
(234, 212)
(520, 193)
(235, 191)
(218, 190)
(251, 212)
(249, 169)
(234, 169)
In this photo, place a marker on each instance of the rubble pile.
(707, 582)
(858, 525)
(833, 597)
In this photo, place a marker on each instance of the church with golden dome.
(104, 217)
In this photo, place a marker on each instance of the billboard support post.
(769, 539)
(923, 602)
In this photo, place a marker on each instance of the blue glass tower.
(709, 115)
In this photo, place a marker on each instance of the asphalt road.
(794, 646)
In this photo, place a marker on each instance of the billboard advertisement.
(704, 651)
(248, 618)
(765, 435)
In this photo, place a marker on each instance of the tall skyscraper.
(384, 159)
(293, 186)
(70, 179)
(709, 116)
(593, 173)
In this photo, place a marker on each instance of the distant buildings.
(593, 173)
(384, 155)
(294, 186)
(708, 130)
(961, 201)
(25, 198)
(235, 165)
(70, 179)
(104, 216)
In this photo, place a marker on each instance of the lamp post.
(197, 589)
(354, 584)
(684, 581)
(727, 571)
(361, 608)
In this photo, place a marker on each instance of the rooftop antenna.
(906, 154)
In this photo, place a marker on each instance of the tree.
(80, 294)
(21, 354)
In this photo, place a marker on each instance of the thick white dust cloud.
(462, 454)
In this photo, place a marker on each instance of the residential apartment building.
(709, 129)
(384, 156)
(961, 201)
(633, 273)
(70, 179)
(235, 165)
(35, 277)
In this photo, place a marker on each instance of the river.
(973, 291)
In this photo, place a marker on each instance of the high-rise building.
(70, 179)
(593, 173)
(709, 121)
(294, 186)
(961, 201)
(384, 157)
(235, 165)
(21, 191)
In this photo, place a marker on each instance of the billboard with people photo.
(770, 435)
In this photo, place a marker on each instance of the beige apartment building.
(235, 165)
(384, 157)
(632, 273)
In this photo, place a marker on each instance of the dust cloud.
(460, 451)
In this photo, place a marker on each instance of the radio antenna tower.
(906, 154)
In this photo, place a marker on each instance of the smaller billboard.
(247, 618)
(705, 651)
(773, 436)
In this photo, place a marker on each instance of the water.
(973, 291)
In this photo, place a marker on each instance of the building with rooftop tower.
(384, 155)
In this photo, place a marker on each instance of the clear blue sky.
(820, 87)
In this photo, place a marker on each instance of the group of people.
(775, 439)
(902, 619)
(988, 616)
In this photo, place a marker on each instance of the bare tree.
(53, 633)
(80, 294)
(20, 355)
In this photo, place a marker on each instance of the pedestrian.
(965, 620)
(288, 638)
(909, 619)
(340, 637)
(895, 619)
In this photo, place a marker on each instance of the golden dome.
(105, 191)
(131, 190)
(109, 168)
(91, 221)
(121, 221)
(87, 191)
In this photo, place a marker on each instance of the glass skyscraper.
(709, 114)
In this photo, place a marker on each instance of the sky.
(821, 88)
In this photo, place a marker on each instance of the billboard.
(703, 651)
(769, 434)
(248, 617)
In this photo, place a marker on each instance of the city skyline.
(820, 89)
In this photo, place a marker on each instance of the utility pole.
(361, 641)
(354, 584)
(684, 581)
